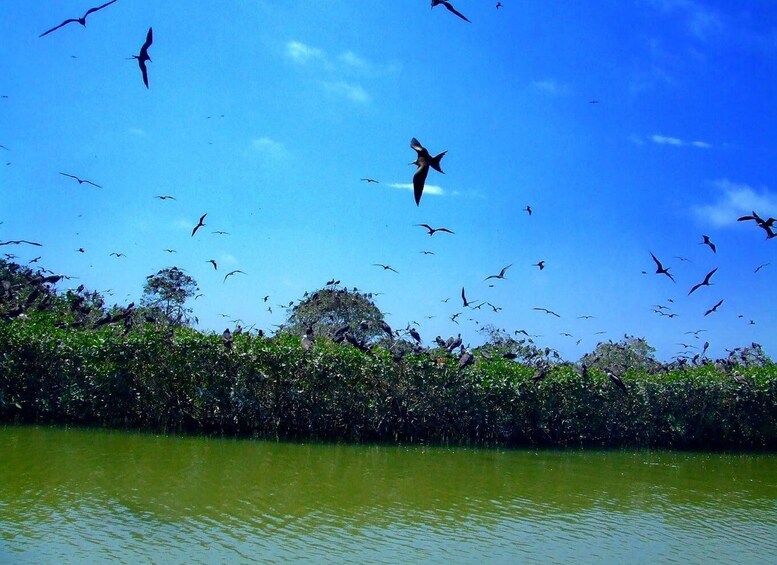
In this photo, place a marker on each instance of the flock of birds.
(424, 161)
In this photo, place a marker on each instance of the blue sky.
(266, 115)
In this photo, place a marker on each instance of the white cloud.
(351, 59)
(676, 141)
(636, 140)
(269, 147)
(428, 189)
(353, 92)
(666, 140)
(736, 200)
(301, 53)
(137, 131)
(550, 86)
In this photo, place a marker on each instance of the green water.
(102, 496)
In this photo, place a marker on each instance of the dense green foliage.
(177, 379)
(67, 358)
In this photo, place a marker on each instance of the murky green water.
(102, 496)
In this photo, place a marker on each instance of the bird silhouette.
(432, 230)
(660, 268)
(114, 254)
(80, 180)
(385, 267)
(427, 252)
(142, 57)
(199, 224)
(450, 8)
(81, 20)
(414, 334)
(706, 241)
(761, 266)
(369, 180)
(540, 264)
(19, 242)
(501, 274)
(705, 282)
(220, 232)
(230, 273)
(766, 225)
(464, 298)
(424, 160)
(547, 311)
(527, 210)
(165, 197)
(213, 262)
(714, 308)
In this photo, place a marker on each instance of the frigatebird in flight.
(80, 180)
(81, 20)
(230, 273)
(432, 230)
(200, 224)
(706, 241)
(501, 274)
(142, 57)
(385, 267)
(547, 311)
(660, 270)
(705, 282)
(714, 308)
(450, 8)
(423, 161)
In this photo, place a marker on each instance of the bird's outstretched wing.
(59, 26)
(455, 11)
(419, 179)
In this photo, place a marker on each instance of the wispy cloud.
(428, 189)
(735, 200)
(338, 73)
(301, 53)
(353, 92)
(549, 86)
(269, 147)
(701, 21)
(669, 140)
(137, 132)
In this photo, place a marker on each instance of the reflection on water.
(92, 495)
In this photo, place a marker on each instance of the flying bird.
(80, 180)
(114, 254)
(142, 57)
(424, 160)
(540, 264)
(547, 311)
(714, 308)
(215, 266)
(450, 8)
(165, 197)
(200, 224)
(705, 282)
(767, 225)
(527, 210)
(369, 180)
(501, 274)
(660, 270)
(230, 273)
(220, 232)
(81, 20)
(432, 230)
(761, 266)
(464, 298)
(706, 241)
(385, 267)
(19, 242)
(427, 252)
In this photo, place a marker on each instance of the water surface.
(74, 495)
